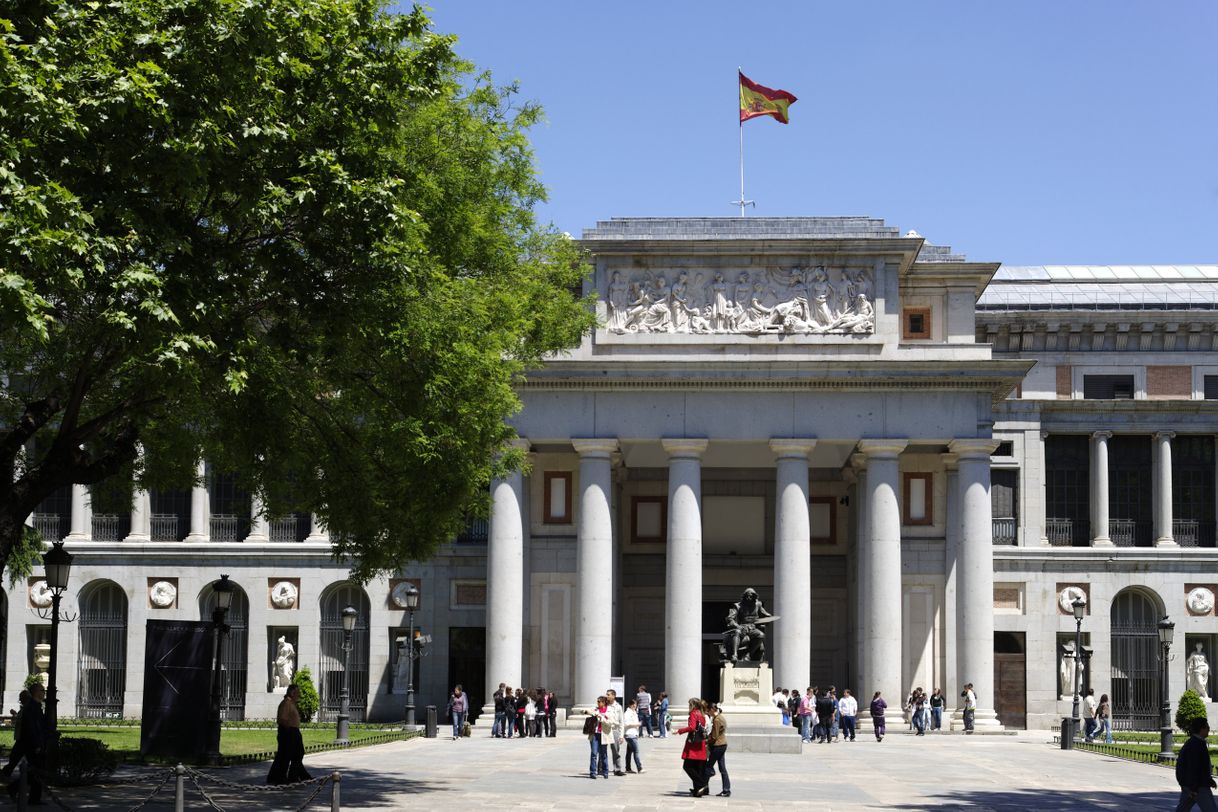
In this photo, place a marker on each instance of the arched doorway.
(102, 667)
(330, 676)
(234, 661)
(1135, 661)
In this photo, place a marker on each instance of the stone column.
(317, 529)
(1164, 532)
(594, 571)
(200, 527)
(882, 598)
(1099, 489)
(683, 600)
(858, 463)
(505, 586)
(260, 530)
(791, 640)
(975, 577)
(1044, 479)
(952, 604)
(141, 513)
(81, 524)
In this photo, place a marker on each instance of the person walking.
(1090, 703)
(662, 714)
(807, 705)
(598, 739)
(1194, 770)
(693, 754)
(615, 720)
(825, 708)
(497, 726)
(970, 707)
(1103, 719)
(878, 706)
(552, 713)
(288, 766)
(717, 757)
(458, 706)
(632, 725)
(643, 703)
(31, 744)
(937, 703)
(848, 707)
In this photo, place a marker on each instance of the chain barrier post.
(179, 789)
(335, 802)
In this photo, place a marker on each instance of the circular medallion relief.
(40, 594)
(398, 596)
(1201, 601)
(162, 594)
(1067, 597)
(283, 595)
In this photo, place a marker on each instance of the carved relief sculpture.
(283, 595)
(1067, 597)
(162, 594)
(1197, 672)
(285, 663)
(40, 594)
(1200, 601)
(798, 300)
(399, 593)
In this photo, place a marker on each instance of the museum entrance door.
(467, 666)
(1135, 662)
(1011, 680)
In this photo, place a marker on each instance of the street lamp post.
(1166, 746)
(58, 564)
(223, 590)
(344, 696)
(1080, 607)
(412, 603)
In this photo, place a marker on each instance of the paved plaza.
(1021, 772)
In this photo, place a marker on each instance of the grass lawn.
(126, 740)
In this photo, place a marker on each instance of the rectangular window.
(918, 499)
(557, 497)
(824, 519)
(648, 519)
(1006, 448)
(1210, 387)
(915, 323)
(1108, 387)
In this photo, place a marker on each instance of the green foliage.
(294, 236)
(83, 761)
(308, 702)
(31, 681)
(1191, 706)
(24, 556)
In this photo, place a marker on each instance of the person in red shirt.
(693, 755)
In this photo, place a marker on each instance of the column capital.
(973, 447)
(1101, 435)
(1044, 435)
(951, 460)
(880, 449)
(858, 462)
(684, 446)
(1164, 435)
(792, 446)
(595, 447)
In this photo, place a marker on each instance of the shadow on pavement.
(1044, 801)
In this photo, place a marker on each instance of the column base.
(197, 537)
(1102, 541)
(137, 538)
(985, 720)
(77, 537)
(1167, 541)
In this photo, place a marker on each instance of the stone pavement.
(1022, 772)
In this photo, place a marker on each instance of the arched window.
(234, 662)
(330, 676)
(1135, 660)
(102, 675)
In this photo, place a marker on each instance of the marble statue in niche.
(1197, 671)
(798, 300)
(1065, 670)
(285, 663)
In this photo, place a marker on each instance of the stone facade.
(913, 457)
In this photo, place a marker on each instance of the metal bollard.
(336, 780)
(179, 789)
(1068, 733)
(430, 731)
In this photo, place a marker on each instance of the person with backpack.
(1103, 719)
(825, 708)
(693, 754)
(878, 706)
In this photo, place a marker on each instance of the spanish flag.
(759, 100)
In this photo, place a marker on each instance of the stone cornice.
(1098, 331)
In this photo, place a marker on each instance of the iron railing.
(1192, 533)
(476, 531)
(1063, 532)
(1135, 676)
(289, 529)
(164, 527)
(1129, 532)
(102, 665)
(111, 526)
(49, 525)
(226, 527)
(1005, 530)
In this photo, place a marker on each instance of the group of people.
(1099, 717)
(610, 730)
(705, 748)
(524, 713)
(926, 710)
(821, 715)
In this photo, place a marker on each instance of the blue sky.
(1020, 132)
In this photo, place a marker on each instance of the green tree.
(293, 237)
(308, 702)
(1190, 707)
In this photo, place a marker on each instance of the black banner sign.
(177, 681)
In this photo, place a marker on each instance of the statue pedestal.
(754, 723)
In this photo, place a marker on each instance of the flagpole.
(741, 201)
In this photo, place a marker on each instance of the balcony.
(111, 526)
(164, 527)
(477, 531)
(1061, 531)
(226, 527)
(49, 525)
(1129, 532)
(1005, 530)
(289, 529)
(1192, 533)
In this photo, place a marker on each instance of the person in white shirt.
(1091, 704)
(970, 707)
(848, 707)
(614, 721)
(530, 715)
(631, 723)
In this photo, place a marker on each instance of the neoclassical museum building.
(919, 461)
